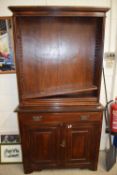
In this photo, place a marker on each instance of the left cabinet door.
(40, 143)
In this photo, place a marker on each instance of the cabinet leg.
(27, 169)
(93, 167)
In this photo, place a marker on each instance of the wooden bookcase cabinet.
(59, 53)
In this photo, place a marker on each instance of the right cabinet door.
(82, 145)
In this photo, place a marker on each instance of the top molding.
(57, 11)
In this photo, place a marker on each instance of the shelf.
(63, 90)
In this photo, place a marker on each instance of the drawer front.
(35, 117)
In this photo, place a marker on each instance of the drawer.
(35, 117)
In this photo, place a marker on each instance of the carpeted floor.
(17, 169)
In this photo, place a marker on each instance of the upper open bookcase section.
(59, 51)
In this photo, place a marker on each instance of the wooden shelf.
(64, 90)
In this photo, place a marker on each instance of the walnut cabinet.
(59, 55)
(71, 142)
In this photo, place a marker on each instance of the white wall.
(8, 102)
(8, 87)
(114, 46)
(5, 3)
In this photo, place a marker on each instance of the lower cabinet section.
(60, 141)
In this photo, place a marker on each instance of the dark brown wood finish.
(60, 140)
(58, 11)
(59, 54)
(57, 58)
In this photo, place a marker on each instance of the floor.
(16, 169)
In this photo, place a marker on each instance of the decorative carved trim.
(98, 48)
(19, 55)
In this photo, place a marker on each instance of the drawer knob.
(69, 126)
(37, 118)
(84, 117)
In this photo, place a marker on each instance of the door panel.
(80, 143)
(42, 142)
(78, 138)
(43, 145)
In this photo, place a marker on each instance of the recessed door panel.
(42, 141)
(80, 143)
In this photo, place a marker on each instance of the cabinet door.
(40, 144)
(82, 143)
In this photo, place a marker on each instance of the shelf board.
(63, 90)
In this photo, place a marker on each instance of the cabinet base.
(30, 170)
